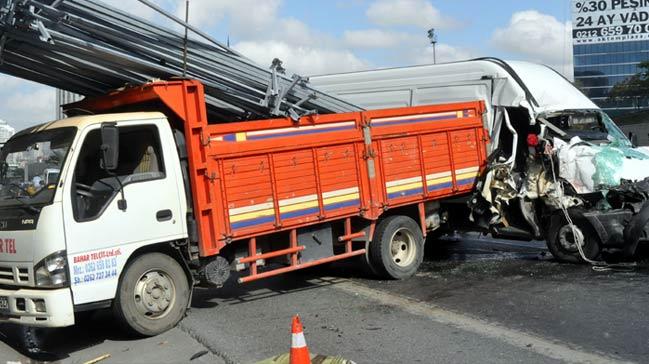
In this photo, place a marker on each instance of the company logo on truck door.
(95, 266)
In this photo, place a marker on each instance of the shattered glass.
(607, 162)
(589, 167)
(615, 135)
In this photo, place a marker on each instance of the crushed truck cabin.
(559, 169)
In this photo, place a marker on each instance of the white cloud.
(418, 13)
(245, 17)
(261, 34)
(538, 37)
(24, 104)
(304, 60)
(376, 38)
(443, 53)
(9, 82)
(293, 31)
(134, 7)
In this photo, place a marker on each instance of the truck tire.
(364, 264)
(397, 248)
(152, 296)
(560, 239)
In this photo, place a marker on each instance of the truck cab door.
(101, 230)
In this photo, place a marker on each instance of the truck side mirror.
(634, 140)
(109, 146)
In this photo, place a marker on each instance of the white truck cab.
(64, 243)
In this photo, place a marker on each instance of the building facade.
(599, 67)
(6, 132)
(610, 40)
(64, 97)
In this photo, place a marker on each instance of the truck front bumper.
(37, 307)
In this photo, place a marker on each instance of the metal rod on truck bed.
(90, 41)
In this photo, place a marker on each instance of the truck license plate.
(4, 304)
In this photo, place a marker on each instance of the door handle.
(163, 215)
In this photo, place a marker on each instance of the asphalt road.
(472, 301)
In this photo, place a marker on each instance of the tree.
(634, 86)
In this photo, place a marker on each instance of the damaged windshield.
(590, 125)
(30, 165)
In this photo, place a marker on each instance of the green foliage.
(634, 86)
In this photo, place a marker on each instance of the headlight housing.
(52, 271)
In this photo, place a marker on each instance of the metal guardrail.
(89, 48)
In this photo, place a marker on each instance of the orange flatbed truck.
(154, 202)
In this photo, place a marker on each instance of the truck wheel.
(365, 265)
(152, 296)
(397, 249)
(561, 240)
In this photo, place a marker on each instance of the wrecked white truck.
(559, 168)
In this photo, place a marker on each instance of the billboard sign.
(604, 21)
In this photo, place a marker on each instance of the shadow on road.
(233, 293)
(44, 344)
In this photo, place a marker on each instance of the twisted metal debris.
(89, 47)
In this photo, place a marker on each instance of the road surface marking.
(546, 347)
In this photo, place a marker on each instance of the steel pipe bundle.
(88, 47)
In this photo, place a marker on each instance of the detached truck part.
(147, 204)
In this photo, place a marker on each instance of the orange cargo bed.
(278, 174)
(254, 178)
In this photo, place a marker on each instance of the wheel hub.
(154, 293)
(567, 238)
(403, 247)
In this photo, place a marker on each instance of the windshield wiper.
(19, 187)
(23, 204)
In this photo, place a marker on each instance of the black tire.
(559, 234)
(407, 237)
(151, 272)
(365, 265)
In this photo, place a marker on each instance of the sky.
(319, 36)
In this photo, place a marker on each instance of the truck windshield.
(30, 165)
(590, 125)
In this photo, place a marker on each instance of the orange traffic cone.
(299, 351)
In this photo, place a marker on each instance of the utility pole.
(432, 37)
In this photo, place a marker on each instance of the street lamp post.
(432, 37)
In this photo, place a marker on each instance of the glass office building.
(600, 66)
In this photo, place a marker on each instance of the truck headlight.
(52, 271)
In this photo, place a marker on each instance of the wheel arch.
(411, 211)
(163, 248)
